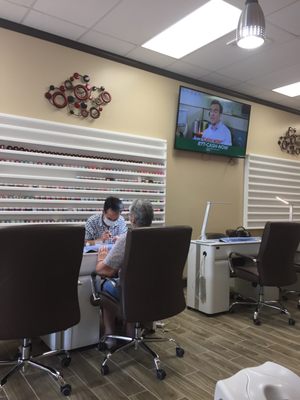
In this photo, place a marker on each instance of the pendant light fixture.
(250, 32)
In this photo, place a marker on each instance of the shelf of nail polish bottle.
(52, 172)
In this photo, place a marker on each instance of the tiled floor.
(215, 348)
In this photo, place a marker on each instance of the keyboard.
(240, 239)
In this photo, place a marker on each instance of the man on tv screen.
(217, 132)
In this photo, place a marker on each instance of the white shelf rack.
(60, 173)
(265, 178)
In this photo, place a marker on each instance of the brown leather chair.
(38, 288)
(273, 266)
(151, 286)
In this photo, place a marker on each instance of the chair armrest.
(234, 255)
(248, 257)
(95, 297)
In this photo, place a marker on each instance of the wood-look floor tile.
(88, 374)
(80, 390)
(146, 395)
(44, 385)
(127, 384)
(187, 387)
(17, 388)
(216, 347)
(161, 389)
(109, 391)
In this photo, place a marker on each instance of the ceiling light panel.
(291, 90)
(204, 25)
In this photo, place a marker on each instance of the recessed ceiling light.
(204, 25)
(291, 90)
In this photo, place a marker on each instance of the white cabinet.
(86, 332)
(52, 172)
(208, 280)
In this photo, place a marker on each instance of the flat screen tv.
(211, 124)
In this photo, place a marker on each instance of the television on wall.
(211, 124)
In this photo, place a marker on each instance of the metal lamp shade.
(250, 32)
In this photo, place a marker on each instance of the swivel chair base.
(260, 303)
(136, 341)
(25, 358)
(287, 292)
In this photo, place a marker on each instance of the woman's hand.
(102, 253)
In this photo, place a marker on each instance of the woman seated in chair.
(110, 263)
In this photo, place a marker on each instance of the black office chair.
(151, 286)
(38, 288)
(285, 292)
(273, 266)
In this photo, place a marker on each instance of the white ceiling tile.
(273, 59)
(53, 25)
(106, 42)
(269, 7)
(289, 13)
(219, 80)
(276, 35)
(282, 77)
(247, 88)
(186, 69)
(11, 11)
(84, 13)
(26, 3)
(139, 20)
(216, 55)
(150, 57)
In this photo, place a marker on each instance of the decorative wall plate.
(79, 96)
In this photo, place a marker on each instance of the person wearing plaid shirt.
(108, 225)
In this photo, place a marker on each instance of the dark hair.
(219, 104)
(142, 211)
(113, 203)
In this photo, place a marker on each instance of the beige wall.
(145, 104)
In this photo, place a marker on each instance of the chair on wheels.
(151, 286)
(297, 292)
(273, 266)
(38, 289)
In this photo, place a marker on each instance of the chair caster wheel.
(104, 369)
(65, 362)
(101, 346)
(292, 321)
(179, 351)
(160, 374)
(66, 389)
(256, 322)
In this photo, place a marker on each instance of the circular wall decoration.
(290, 142)
(80, 97)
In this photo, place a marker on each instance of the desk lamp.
(288, 204)
(203, 235)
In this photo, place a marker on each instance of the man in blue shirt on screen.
(217, 132)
